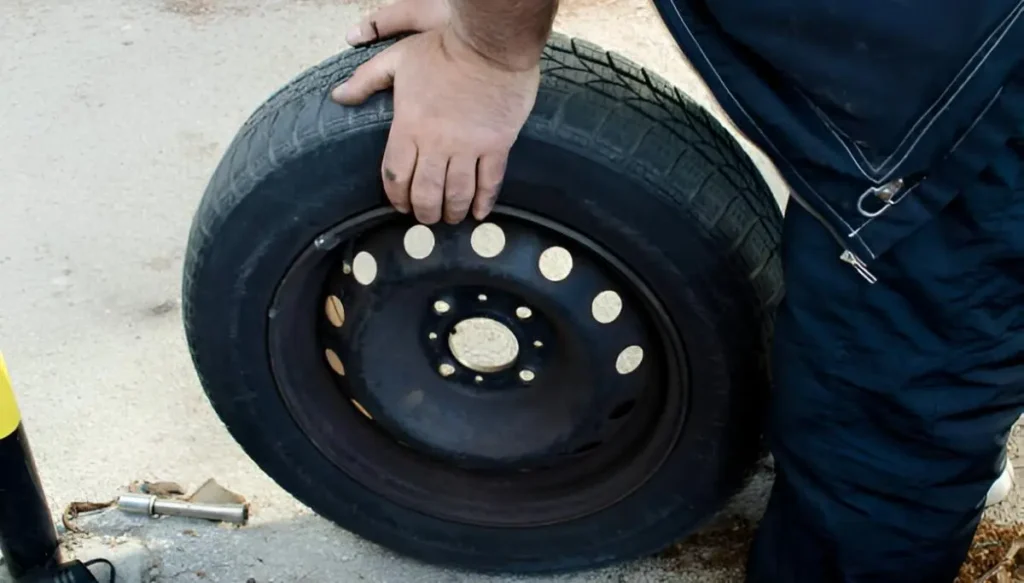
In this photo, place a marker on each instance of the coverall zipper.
(848, 255)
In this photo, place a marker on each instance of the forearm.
(511, 33)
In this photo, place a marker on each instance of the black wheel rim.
(561, 431)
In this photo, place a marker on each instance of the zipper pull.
(851, 258)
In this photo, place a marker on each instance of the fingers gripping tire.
(610, 150)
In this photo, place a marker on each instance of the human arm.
(462, 92)
(510, 33)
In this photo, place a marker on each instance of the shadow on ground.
(307, 548)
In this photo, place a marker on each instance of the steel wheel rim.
(390, 455)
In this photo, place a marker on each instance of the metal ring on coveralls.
(873, 193)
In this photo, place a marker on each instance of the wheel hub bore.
(483, 345)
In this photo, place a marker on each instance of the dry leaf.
(213, 493)
(76, 508)
(994, 552)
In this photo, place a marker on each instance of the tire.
(610, 150)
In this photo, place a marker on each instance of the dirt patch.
(995, 555)
(190, 7)
(205, 11)
(572, 8)
(721, 547)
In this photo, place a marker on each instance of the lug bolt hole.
(526, 375)
(482, 297)
(524, 313)
(446, 370)
(442, 307)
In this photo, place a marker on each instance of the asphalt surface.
(112, 115)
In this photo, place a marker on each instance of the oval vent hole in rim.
(629, 359)
(418, 241)
(335, 311)
(487, 240)
(606, 307)
(364, 268)
(555, 263)
(362, 409)
(334, 362)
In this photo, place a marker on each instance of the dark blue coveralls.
(899, 349)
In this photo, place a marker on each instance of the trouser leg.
(893, 401)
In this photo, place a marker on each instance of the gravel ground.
(112, 115)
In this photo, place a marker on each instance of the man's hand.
(459, 104)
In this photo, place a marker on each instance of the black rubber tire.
(610, 150)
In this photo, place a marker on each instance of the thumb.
(373, 76)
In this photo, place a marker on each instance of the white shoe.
(1002, 486)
